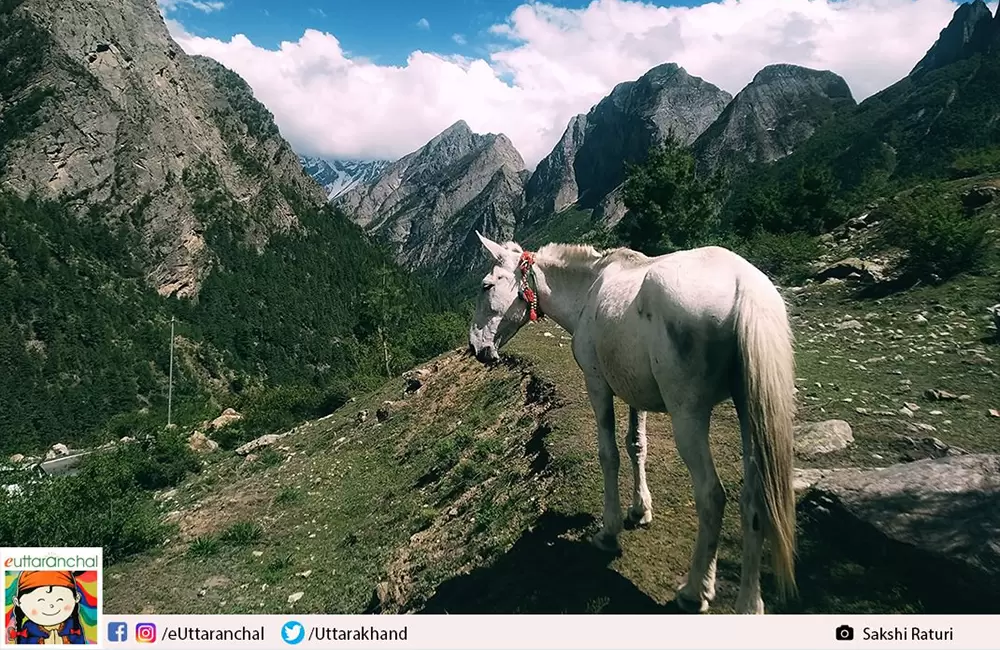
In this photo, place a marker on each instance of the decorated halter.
(526, 292)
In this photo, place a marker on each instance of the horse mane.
(569, 254)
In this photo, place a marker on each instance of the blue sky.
(386, 31)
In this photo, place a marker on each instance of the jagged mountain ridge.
(421, 205)
(339, 176)
(783, 110)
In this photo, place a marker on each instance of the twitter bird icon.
(293, 632)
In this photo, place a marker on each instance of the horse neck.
(562, 290)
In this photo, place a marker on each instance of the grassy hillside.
(87, 357)
(476, 493)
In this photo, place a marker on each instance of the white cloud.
(423, 23)
(548, 64)
(459, 39)
(167, 6)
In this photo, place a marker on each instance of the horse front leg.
(602, 401)
(641, 512)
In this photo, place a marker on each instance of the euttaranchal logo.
(52, 596)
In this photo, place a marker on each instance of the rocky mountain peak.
(777, 72)
(589, 160)
(972, 30)
(453, 180)
(778, 110)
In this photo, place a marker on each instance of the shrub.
(669, 206)
(784, 256)
(268, 410)
(100, 506)
(939, 236)
(108, 503)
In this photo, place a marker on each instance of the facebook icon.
(117, 632)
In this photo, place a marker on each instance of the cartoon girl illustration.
(47, 609)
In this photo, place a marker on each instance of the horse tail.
(765, 342)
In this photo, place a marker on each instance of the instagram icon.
(145, 632)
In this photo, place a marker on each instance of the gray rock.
(259, 443)
(941, 515)
(818, 438)
(776, 112)
(201, 443)
(849, 325)
(852, 266)
(805, 478)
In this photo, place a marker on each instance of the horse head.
(505, 302)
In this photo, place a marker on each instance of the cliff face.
(775, 113)
(588, 163)
(972, 30)
(430, 201)
(111, 113)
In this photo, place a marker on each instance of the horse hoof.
(691, 605)
(606, 542)
(640, 519)
(750, 607)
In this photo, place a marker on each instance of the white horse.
(677, 333)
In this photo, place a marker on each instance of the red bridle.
(527, 294)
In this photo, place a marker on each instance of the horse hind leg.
(753, 517)
(691, 436)
(641, 512)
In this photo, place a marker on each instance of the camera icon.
(845, 633)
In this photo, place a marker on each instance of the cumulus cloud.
(167, 6)
(423, 23)
(458, 38)
(548, 63)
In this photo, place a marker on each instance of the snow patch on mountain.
(339, 176)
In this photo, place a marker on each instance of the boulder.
(818, 438)
(201, 443)
(259, 443)
(57, 451)
(978, 197)
(415, 379)
(385, 411)
(805, 478)
(17, 459)
(228, 417)
(852, 268)
(939, 517)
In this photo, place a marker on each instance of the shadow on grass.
(544, 573)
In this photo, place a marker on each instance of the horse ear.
(496, 250)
